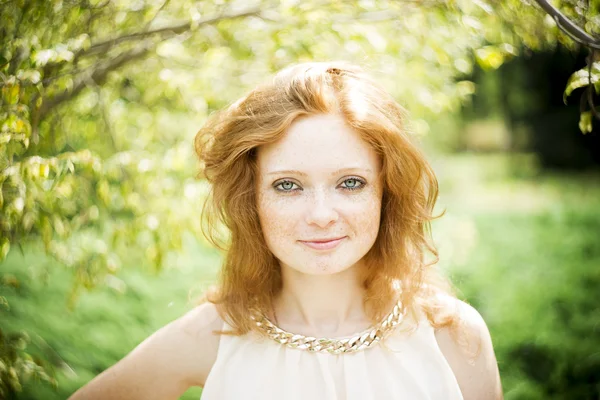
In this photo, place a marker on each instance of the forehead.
(318, 143)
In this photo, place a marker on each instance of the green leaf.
(4, 248)
(10, 93)
(46, 230)
(580, 79)
(585, 122)
(490, 57)
(4, 303)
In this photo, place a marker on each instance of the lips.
(323, 244)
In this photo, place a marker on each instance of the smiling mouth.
(326, 244)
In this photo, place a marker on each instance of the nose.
(321, 210)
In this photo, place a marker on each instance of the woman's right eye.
(285, 186)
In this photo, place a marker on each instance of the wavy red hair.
(395, 265)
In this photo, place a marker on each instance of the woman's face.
(319, 182)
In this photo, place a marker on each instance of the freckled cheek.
(278, 220)
(364, 214)
(368, 219)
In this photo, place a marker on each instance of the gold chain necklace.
(352, 344)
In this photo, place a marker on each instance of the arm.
(166, 364)
(476, 369)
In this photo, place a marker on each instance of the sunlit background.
(100, 205)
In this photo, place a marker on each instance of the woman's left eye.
(353, 184)
(286, 186)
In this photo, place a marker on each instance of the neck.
(321, 305)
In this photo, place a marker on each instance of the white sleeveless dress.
(407, 365)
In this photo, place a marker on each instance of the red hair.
(250, 276)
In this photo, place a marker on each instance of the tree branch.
(86, 5)
(149, 23)
(98, 75)
(174, 29)
(568, 26)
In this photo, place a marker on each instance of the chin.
(328, 267)
(325, 270)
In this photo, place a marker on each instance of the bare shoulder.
(197, 328)
(470, 354)
(166, 364)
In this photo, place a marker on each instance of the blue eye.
(353, 184)
(286, 186)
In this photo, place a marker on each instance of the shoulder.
(470, 354)
(187, 347)
(175, 357)
(194, 333)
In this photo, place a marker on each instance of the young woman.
(324, 292)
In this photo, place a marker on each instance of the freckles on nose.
(319, 209)
(320, 216)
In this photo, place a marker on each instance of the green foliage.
(588, 77)
(579, 22)
(77, 343)
(17, 365)
(585, 122)
(552, 282)
(524, 253)
(582, 78)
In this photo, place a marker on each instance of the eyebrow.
(296, 172)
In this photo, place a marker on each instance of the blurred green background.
(99, 206)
